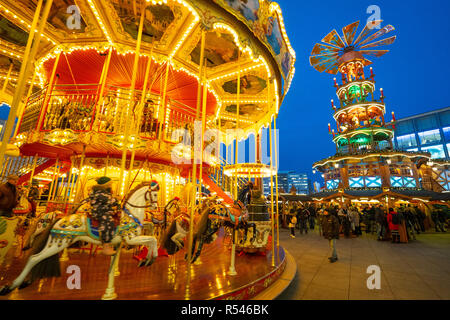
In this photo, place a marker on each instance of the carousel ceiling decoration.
(326, 56)
(171, 35)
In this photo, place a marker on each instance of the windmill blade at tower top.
(350, 32)
(334, 39)
(315, 60)
(375, 53)
(380, 33)
(333, 69)
(368, 29)
(324, 64)
(322, 49)
(380, 43)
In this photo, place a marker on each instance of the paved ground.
(419, 270)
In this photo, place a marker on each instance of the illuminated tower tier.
(360, 116)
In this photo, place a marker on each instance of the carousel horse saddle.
(95, 223)
(93, 228)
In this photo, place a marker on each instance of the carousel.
(145, 95)
(366, 168)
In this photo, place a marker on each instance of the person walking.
(393, 219)
(344, 220)
(409, 223)
(304, 217)
(330, 227)
(379, 220)
(436, 217)
(9, 196)
(319, 217)
(292, 224)
(312, 217)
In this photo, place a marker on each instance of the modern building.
(428, 131)
(287, 180)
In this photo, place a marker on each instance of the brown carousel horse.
(215, 215)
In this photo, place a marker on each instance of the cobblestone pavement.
(419, 270)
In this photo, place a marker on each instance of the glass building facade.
(286, 180)
(425, 132)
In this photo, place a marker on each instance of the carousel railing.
(225, 182)
(71, 107)
(32, 111)
(79, 108)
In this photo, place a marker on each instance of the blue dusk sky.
(415, 75)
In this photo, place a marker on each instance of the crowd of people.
(400, 224)
(387, 224)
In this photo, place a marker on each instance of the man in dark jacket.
(304, 217)
(8, 196)
(330, 226)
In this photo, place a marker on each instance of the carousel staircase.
(222, 184)
(214, 188)
(41, 167)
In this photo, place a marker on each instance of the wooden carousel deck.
(164, 280)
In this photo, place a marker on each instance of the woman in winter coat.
(393, 221)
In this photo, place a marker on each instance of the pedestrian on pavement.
(379, 219)
(304, 217)
(330, 227)
(344, 220)
(312, 216)
(292, 223)
(437, 215)
(393, 219)
(319, 217)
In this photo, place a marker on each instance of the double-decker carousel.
(138, 91)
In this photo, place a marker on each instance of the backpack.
(396, 218)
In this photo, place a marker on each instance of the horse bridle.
(147, 198)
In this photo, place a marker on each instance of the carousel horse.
(172, 240)
(213, 217)
(73, 228)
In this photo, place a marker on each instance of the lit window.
(333, 184)
(406, 141)
(356, 182)
(437, 152)
(373, 182)
(446, 133)
(428, 137)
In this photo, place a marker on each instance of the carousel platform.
(165, 279)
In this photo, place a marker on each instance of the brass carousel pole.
(194, 171)
(5, 84)
(232, 269)
(52, 186)
(271, 195)
(33, 169)
(23, 106)
(237, 122)
(77, 183)
(103, 78)
(132, 91)
(140, 111)
(276, 183)
(28, 58)
(205, 96)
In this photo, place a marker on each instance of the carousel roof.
(249, 36)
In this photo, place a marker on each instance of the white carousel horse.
(76, 227)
